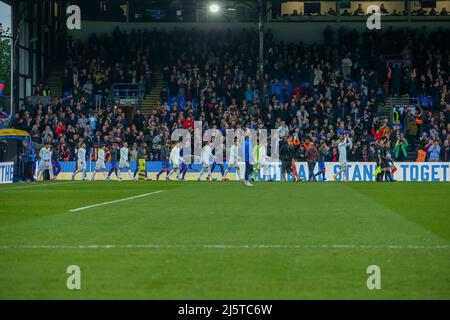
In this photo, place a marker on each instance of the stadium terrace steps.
(385, 111)
(55, 80)
(150, 101)
(389, 108)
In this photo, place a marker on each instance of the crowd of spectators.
(359, 11)
(313, 92)
(92, 67)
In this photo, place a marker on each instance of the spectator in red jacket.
(60, 129)
(188, 123)
(377, 134)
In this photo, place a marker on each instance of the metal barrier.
(40, 99)
(128, 94)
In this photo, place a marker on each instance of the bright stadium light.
(214, 8)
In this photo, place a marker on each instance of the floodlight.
(214, 8)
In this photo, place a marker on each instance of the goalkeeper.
(261, 162)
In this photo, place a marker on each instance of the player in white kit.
(175, 160)
(206, 157)
(45, 154)
(123, 161)
(343, 143)
(100, 164)
(81, 162)
(233, 160)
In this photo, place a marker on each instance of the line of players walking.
(254, 158)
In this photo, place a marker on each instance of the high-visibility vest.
(419, 120)
(294, 142)
(421, 155)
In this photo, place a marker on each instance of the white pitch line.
(114, 201)
(38, 185)
(223, 246)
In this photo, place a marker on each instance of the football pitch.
(215, 240)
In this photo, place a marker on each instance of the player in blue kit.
(113, 154)
(165, 154)
(183, 171)
(214, 164)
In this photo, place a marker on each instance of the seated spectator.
(359, 11)
(331, 12)
(400, 149)
(420, 12)
(445, 151)
(434, 151)
(443, 12)
(60, 130)
(39, 89)
(47, 135)
(383, 9)
(42, 90)
(88, 88)
(47, 92)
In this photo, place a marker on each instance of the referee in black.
(287, 153)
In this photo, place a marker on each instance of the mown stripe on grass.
(225, 246)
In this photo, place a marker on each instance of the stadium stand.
(314, 92)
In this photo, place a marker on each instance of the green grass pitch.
(225, 241)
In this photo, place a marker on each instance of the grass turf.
(272, 241)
